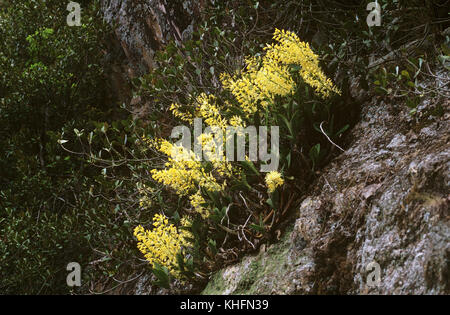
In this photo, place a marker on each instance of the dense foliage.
(52, 80)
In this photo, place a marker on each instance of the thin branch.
(329, 138)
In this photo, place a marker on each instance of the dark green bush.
(54, 207)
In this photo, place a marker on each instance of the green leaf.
(257, 228)
(288, 159)
(162, 274)
(270, 203)
(287, 123)
(381, 90)
(406, 74)
(212, 246)
(250, 166)
(314, 153)
(342, 130)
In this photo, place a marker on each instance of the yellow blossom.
(183, 172)
(273, 180)
(161, 244)
(266, 77)
(175, 108)
(290, 50)
(197, 202)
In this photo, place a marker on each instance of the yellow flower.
(237, 121)
(175, 108)
(162, 244)
(208, 108)
(290, 50)
(197, 202)
(183, 173)
(186, 222)
(265, 78)
(273, 180)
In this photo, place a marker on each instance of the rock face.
(144, 26)
(381, 207)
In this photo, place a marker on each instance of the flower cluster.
(183, 172)
(208, 109)
(260, 83)
(290, 50)
(273, 180)
(175, 108)
(197, 202)
(267, 77)
(162, 244)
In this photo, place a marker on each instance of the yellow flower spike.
(273, 180)
(196, 202)
(175, 108)
(162, 244)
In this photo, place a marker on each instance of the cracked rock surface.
(384, 202)
(145, 26)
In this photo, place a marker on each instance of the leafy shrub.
(52, 210)
(271, 91)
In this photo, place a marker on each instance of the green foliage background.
(52, 80)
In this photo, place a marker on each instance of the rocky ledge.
(380, 208)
